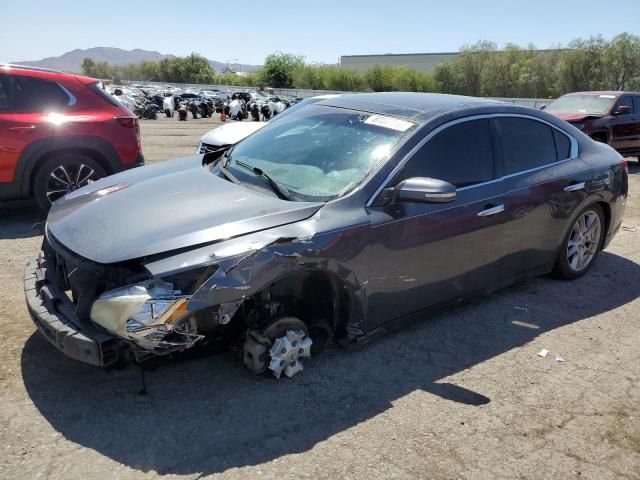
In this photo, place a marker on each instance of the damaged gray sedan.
(342, 220)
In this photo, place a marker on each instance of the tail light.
(131, 122)
(624, 165)
(128, 122)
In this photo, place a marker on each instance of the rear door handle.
(574, 186)
(487, 212)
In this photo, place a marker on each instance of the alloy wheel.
(67, 178)
(584, 241)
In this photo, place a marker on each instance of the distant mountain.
(72, 61)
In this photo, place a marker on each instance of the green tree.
(379, 78)
(622, 62)
(446, 78)
(582, 66)
(279, 69)
(87, 66)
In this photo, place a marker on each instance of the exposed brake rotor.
(286, 352)
(279, 347)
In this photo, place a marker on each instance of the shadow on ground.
(20, 219)
(209, 415)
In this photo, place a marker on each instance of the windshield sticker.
(389, 122)
(607, 96)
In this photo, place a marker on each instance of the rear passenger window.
(526, 144)
(636, 104)
(35, 95)
(461, 154)
(563, 145)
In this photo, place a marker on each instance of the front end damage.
(269, 294)
(84, 310)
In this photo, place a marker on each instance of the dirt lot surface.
(462, 394)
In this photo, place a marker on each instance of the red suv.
(608, 117)
(59, 132)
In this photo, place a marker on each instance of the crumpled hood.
(574, 117)
(163, 207)
(231, 133)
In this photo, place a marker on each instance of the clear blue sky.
(322, 31)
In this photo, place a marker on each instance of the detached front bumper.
(54, 315)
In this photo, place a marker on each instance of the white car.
(232, 133)
(227, 134)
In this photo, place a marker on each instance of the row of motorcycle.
(241, 106)
(244, 105)
(148, 103)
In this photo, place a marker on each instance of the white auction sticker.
(607, 96)
(389, 122)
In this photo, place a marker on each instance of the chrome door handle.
(574, 186)
(491, 211)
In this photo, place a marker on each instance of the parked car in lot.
(231, 133)
(58, 132)
(337, 222)
(607, 117)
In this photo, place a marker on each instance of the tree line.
(479, 70)
(193, 68)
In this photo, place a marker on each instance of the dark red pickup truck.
(608, 117)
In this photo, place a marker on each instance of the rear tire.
(581, 244)
(62, 174)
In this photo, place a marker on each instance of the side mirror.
(622, 110)
(542, 107)
(424, 190)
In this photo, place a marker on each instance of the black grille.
(207, 148)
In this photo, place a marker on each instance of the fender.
(30, 157)
(596, 193)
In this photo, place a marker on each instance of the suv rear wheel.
(62, 174)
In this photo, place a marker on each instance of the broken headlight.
(151, 314)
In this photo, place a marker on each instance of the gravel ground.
(460, 395)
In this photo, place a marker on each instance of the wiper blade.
(227, 173)
(279, 189)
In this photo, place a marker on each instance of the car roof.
(615, 93)
(416, 106)
(10, 66)
(44, 73)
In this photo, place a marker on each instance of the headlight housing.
(151, 314)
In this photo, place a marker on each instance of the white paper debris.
(543, 353)
(389, 122)
(559, 358)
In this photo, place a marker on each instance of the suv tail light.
(624, 165)
(128, 122)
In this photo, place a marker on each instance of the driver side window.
(625, 101)
(461, 154)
